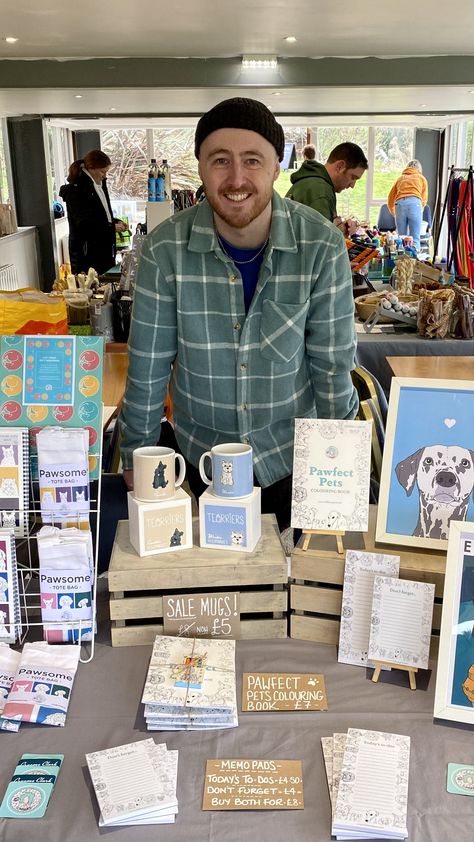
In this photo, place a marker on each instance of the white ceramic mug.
(154, 470)
(232, 470)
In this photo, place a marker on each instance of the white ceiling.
(205, 28)
(61, 29)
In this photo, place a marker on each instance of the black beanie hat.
(241, 113)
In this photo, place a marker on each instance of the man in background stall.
(316, 185)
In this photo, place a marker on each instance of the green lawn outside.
(352, 202)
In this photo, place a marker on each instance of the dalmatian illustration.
(175, 540)
(159, 480)
(445, 479)
(227, 476)
(236, 538)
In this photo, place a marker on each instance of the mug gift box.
(160, 527)
(230, 523)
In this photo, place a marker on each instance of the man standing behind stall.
(244, 305)
(316, 185)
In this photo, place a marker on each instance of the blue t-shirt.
(248, 262)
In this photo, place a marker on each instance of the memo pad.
(360, 570)
(372, 796)
(402, 613)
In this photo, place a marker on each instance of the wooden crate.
(316, 583)
(260, 577)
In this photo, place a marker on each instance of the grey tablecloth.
(105, 711)
(372, 348)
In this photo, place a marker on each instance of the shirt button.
(243, 406)
(232, 278)
(243, 366)
(237, 326)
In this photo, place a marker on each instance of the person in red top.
(406, 201)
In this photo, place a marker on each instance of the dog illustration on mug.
(227, 473)
(445, 479)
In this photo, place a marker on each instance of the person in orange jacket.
(406, 201)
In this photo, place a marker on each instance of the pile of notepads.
(367, 774)
(135, 783)
(190, 685)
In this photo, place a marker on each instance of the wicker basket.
(366, 304)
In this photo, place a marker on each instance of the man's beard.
(241, 216)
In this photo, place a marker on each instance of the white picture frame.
(429, 432)
(457, 629)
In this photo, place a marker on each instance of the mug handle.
(182, 470)
(204, 477)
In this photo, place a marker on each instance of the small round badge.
(332, 452)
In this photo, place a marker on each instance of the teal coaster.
(31, 786)
(26, 799)
(460, 779)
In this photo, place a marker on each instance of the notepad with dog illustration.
(401, 620)
(360, 570)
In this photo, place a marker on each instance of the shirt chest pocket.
(282, 330)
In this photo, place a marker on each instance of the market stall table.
(436, 368)
(106, 711)
(374, 348)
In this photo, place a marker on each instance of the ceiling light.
(10, 39)
(276, 93)
(77, 96)
(422, 105)
(112, 109)
(290, 39)
(470, 92)
(259, 62)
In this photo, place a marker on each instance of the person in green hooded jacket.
(316, 184)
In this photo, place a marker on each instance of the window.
(4, 186)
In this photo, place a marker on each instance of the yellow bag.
(30, 311)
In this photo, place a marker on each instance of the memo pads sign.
(331, 475)
(48, 380)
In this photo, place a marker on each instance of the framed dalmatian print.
(427, 476)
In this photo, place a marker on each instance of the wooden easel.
(338, 534)
(410, 670)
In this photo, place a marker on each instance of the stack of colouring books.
(367, 773)
(190, 685)
(135, 784)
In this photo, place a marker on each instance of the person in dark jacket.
(92, 226)
(316, 184)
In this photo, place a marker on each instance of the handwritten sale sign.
(253, 785)
(202, 615)
(283, 691)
